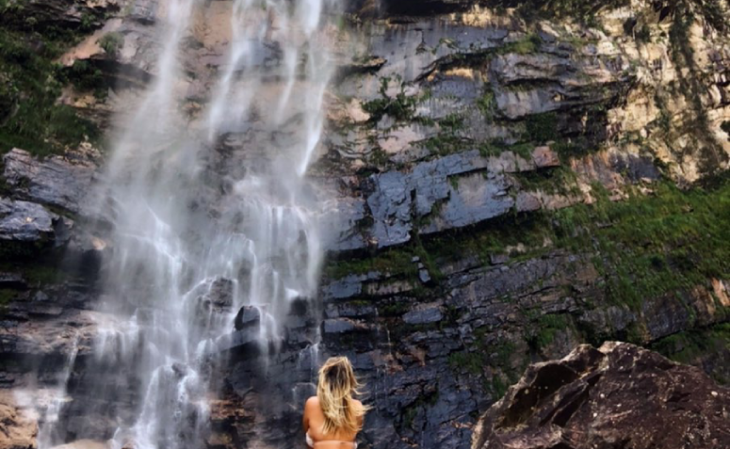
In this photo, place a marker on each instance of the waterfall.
(203, 224)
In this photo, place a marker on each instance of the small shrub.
(111, 43)
(527, 45)
(487, 104)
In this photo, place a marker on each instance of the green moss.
(85, 77)
(495, 237)
(379, 157)
(691, 347)
(567, 149)
(671, 241)
(497, 146)
(542, 128)
(396, 262)
(528, 44)
(470, 362)
(6, 296)
(425, 400)
(487, 104)
(544, 329)
(39, 275)
(396, 308)
(37, 124)
(498, 387)
(446, 143)
(559, 180)
(453, 122)
(401, 107)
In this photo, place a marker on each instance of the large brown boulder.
(618, 396)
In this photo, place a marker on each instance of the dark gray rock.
(62, 181)
(247, 318)
(337, 326)
(424, 276)
(666, 315)
(220, 294)
(25, 222)
(241, 341)
(427, 194)
(423, 316)
(12, 281)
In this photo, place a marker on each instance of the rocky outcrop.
(616, 396)
(25, 222)
(62, 181)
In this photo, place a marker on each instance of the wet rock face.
(25, 222)
(616, 396)
(61, 181)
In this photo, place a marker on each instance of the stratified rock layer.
(618, 396)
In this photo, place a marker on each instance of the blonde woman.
(333, 418)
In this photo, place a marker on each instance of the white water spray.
(195, 238)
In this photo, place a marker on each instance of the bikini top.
(310, 442)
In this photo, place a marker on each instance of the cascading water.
(197, 235)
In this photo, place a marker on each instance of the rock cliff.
(511, 179)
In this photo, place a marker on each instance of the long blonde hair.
(335, 389)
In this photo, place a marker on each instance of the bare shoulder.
(312, 402)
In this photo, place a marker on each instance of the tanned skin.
(314, 419)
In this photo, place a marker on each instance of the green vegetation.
(671, 240)
(5, 297)
(111, 43)
(471, 362)
(542, 128)
(424, 400)
(401, 107)
(526, 45)
(689, 347)
(448, 141)
(37, 273)
(85, 77)
(487, 104)
(545, 328)
(497, 147)
(396, 262)
(497, 356)
(379, 157)
(29, 87)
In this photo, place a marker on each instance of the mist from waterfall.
(194, 239)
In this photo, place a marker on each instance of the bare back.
(314, 420)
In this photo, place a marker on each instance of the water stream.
(202, 226)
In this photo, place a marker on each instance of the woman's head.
(336, 387)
